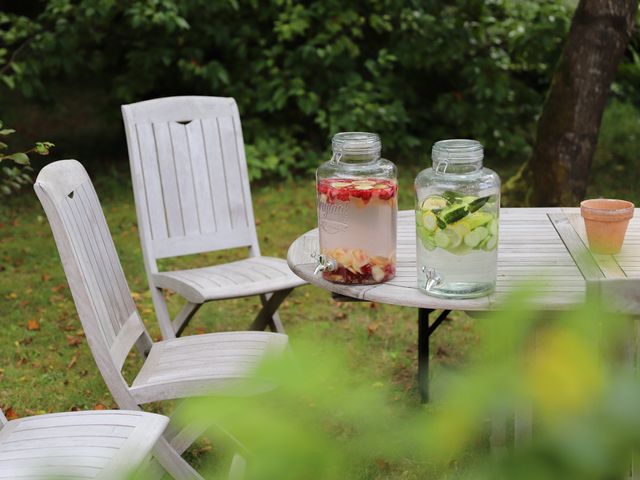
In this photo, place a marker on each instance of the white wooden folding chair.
(105, 444)
(173, 369)
(192, 195)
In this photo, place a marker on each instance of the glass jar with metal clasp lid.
(457, 211)
(357, 212)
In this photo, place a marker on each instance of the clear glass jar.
(357, 211)
(457, 210)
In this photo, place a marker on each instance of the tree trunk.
(568, 127)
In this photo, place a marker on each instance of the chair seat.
(203, 364)
(94, 444)
(243, 278)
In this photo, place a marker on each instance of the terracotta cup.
(606, 221)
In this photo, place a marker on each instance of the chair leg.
(173, 463)
(162, 312)
(184, 316)
(189, 434)
(267, 316)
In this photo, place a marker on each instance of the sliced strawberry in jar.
(340, 184)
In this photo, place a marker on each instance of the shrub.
(15, 167)
(412, 71)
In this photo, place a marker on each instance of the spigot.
(324, 264)
(432, 278)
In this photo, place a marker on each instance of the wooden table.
(542, 243)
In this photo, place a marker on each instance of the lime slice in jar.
(340, 184)
(434, 202)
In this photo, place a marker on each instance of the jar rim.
(457, 151)
(356, 143)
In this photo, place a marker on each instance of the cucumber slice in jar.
(477, 203)
(453, 213)
(491, 243)
(441, 239)
(433, 202)
(455, 239)
(426, 238)
(493, 227)
(429, 221)
(474, 237)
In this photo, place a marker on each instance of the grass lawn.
(46, 364)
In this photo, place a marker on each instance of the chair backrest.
(190, 179)
(108, 314)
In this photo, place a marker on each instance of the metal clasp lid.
(443, 163)
(432, 278)
(324, 263)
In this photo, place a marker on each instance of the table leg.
(424, 333)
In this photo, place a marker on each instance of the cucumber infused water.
(457, 222)
(458, 240)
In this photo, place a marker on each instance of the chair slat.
(233, 175)
(86, 269)
(149, 173)
(201, 178)
(168, 180)
(184, 175)
(217, 174)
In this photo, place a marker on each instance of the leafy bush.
(17, 173)
(412, 71)
(325, 421)
(616, 167)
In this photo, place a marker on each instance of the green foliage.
(616, 164)
(412, 71)
(16, 174)
(324, 422)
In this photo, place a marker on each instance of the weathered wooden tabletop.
(544, 244)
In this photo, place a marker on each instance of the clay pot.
(606, 221)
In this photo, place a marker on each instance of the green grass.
(51, 368)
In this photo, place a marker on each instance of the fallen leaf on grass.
(136, 296)
(73, 341)
(33, 325)
(45, 277)
(10, 413)
(371, 329)
(58, 288)
(73, 361)
(99, 406)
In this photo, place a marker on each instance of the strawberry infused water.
(357, 212)
(355, 218)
